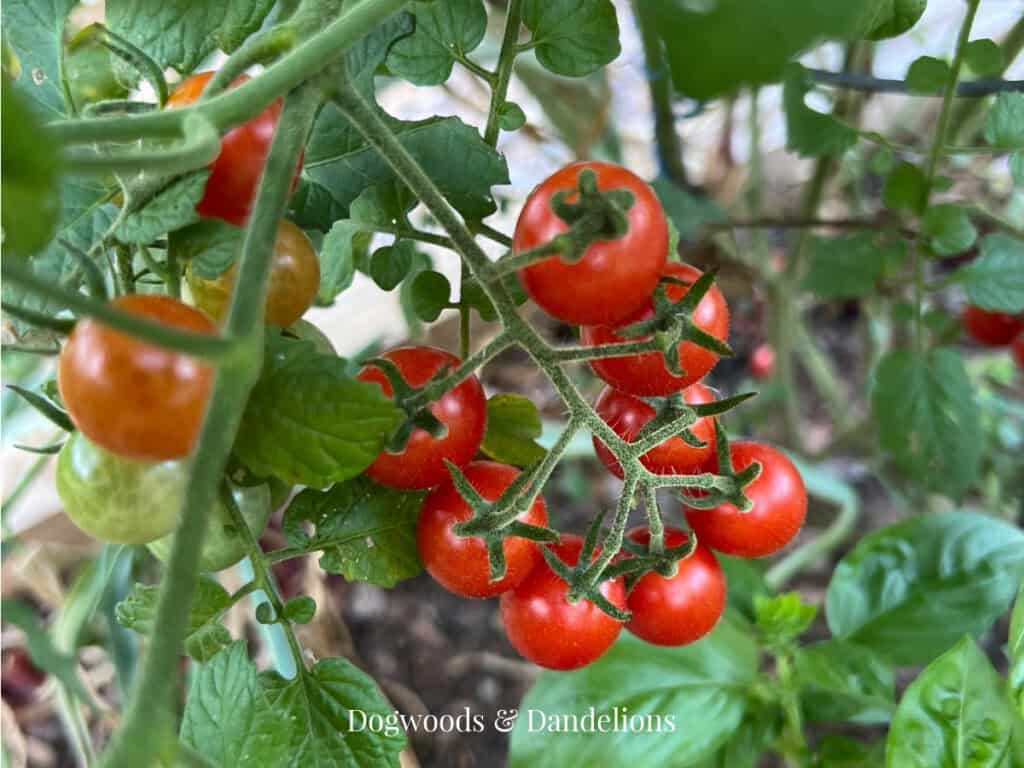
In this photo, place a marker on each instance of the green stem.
(823, 377)
(507, 57)
(798, 753)
(493, 234)
(125, 269)
(199, 147)
(261, 48)
(580, 353)
(128, 52)
(133, 744)
(215, 348)
(659, 81)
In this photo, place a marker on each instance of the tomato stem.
(503, 73)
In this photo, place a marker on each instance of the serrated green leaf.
(851, 265)
(308, 423)
(949, 229)
(984, 57)
(995, 280)
(954, 714)
(782, 618)
(927, 74)
(430, 294)
(323, 709)
(344, 246)
(182, 33)
(228, 717)
(572, 37)
(928, 419)
(204, 636)
(29, 176)
(390, 264)
(513, 426)
(445, 32)
(700, 687)
(1004, 125)
(173, 208)
(809, 132)
(910, 590)
(209, 246)
(840, 680)
(33, 36)
(904, 188)
(384, 205)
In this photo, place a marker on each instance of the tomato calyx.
(655, 557)
(414, 401)
(494, 521)
(726, 485)
(591, 215)
(672, 322)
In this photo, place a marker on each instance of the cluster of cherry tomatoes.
(996, 329)
(610, 287)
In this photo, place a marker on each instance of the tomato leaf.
(367, 532)
(699, 689)
(204, 636)
(904, 188)
(181, 33)
(324, 707)
(34, 34)
(910, 590)
(429, 293)
(841, 680)
(984, 57)
(1015, 650)
(688, 211)
(309, 423)
(995, 280)
(904, 15)
(390, 264)
(344, 246)
(928, 419)
(954, 714)
(949, 228)
(850, 266)
(1004, 126)
(513, 426)
(210, 246)
(809, 132)
(927, 75)
(445, 33)
(572, 37)
(228, 717)
(171, 209)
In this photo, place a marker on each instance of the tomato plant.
(646, 374)
(306, 343)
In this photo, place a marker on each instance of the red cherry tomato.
(615, 277)
(645, 374)
(550, 632)
(780, 505)
(1018, 350)
(680, 609)
(993, 329)
(762, 361)
(462, 410)
(136, 399)
(627, 415)
(236, 171)
(459, 564)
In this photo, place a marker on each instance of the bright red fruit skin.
(762, 361)
(627, 415)
(645, 374)
(780, 505)
(680, 609)
(993, 329)
(236, 171)
(462, 409)
(460, 564)
(550, 632)
(615, 277)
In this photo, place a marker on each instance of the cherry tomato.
(549, 631)
(615, 277)
(136, 399)
(645, 374)
(460, 564)
(993, 329)
(680, 609)
(294, 280)
(627, 415)
(21, 677)
(1018, 350)
(780, 505)
(236, 171)
(224, 545)
(762, 361)
(462, 410)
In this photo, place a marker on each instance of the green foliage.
(33, 37)
(809, 132)
(572, 37)
(927, 75)
(851, 266)
(344, 246)
(955, 714)
(904, 14)
(908, 591)
(171, 209)
(984, 57)
(389, 265)
(513, 426)
(995, 280)
(444, 34)
(41, 648)
(309, 423)
(686, 210)
(948, 228)
(699, 683)
(840, 680)
(366, 532)
(429, 292)
(1015, 650)
(1004, 125)
(780, 619)
(904, 188)
(209, 246)
(928, 419)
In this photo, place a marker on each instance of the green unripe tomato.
(118, 499)
(224, 544)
